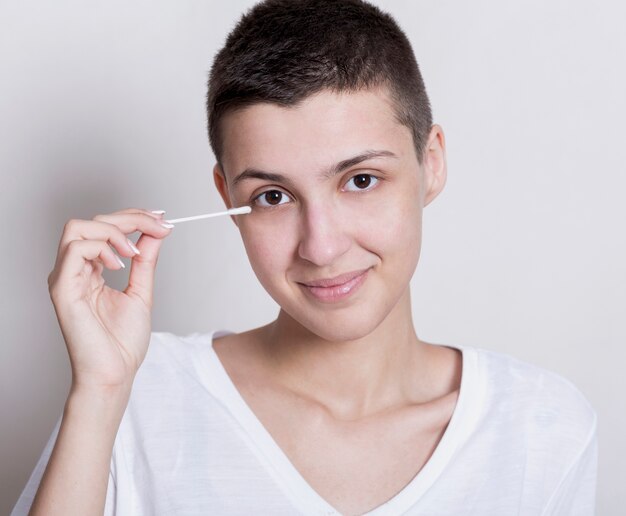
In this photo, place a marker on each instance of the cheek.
(392, 226)
(267, 242)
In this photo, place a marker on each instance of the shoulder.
(170, 362)
(166, 349)
(173, 380)
(544, 404)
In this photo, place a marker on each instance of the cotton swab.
(233, 211)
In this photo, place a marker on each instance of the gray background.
(102, 108)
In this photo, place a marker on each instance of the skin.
(327, 380)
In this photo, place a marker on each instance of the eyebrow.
(253, 173)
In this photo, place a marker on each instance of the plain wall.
(524, 252)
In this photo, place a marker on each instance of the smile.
(336, 292)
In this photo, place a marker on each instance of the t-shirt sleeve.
(576, 493)
(25, 500)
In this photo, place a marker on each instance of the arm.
(76, 478)
(107, 333)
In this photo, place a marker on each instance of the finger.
(139, 210)
(96, 230)
(143, 267)
(69, 277)
(130, 222)
(112, 228)
(156, 216)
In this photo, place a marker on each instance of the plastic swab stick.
(233, 211)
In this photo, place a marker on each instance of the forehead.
(324, 128)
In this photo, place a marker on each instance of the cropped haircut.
(283, 51)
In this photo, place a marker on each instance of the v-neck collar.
(295, 487)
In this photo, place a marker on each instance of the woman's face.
(330, 214)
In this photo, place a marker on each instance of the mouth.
(331, 290)
(336, 281)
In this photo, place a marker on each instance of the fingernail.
(166, 225)
(158, 212)
(133, 246)
(121, 262)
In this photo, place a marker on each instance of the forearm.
(76, 477)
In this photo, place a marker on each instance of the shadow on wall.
(77, 169)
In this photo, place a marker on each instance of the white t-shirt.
(521, 441)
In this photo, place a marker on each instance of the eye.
(271, 198)
(363, 181)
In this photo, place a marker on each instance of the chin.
(338, 325)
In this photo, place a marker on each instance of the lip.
(337, 280)
(337, 292)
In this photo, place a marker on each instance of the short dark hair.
(282, 51)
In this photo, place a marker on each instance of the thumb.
(141, 277)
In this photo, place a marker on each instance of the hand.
(106, 331)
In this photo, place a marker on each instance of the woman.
(319, 120)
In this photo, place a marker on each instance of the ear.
(434, 164)
(219, 177)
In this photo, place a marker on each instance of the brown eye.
(363, 181)
(273, 196)
(269, 198)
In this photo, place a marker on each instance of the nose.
(324, 234)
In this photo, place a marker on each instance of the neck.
(354, 378)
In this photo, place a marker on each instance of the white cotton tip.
(239, 211)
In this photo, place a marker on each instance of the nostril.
(323, 250)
